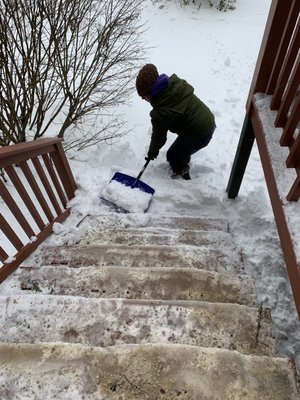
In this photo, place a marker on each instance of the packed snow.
(131, 199)
(216, 53)
(285, 177)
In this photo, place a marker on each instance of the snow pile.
(126, 197)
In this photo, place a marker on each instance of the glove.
(151, 155)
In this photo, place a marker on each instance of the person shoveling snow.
(175, 108)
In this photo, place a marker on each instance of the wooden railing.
(282, 81)
(35, 187)
(272, 118)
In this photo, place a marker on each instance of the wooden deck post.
(241, 158)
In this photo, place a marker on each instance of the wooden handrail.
(35, 197)
(275, 126)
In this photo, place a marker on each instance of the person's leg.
(179, 153)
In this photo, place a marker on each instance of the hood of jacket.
(176, 90)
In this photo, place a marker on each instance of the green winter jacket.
(177, 109)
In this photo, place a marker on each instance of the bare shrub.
(64, 61)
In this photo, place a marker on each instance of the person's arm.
(159, 134)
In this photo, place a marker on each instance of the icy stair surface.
(142, 307)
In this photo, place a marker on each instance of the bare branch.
(64, 61)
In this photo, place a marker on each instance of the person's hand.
(151, 155)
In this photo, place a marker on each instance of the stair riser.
(98, 322)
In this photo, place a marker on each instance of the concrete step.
(108, 322)
(138, 283)
(141, 372)
(159, 236)
(220, 260)
(113, 220)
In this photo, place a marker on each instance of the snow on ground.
(215, 52)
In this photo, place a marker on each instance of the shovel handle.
(141, 172)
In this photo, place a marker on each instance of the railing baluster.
(293, 160)
(14, 208)
(46, 184)
(294, 193)
(57, 187)
(63, 168)
(24, 195)
(11, 266)
(289, 95)
(287, 138)
(36, 190)
(3, 255)
(55, 180)
(286, 69)
(275, 27)
(10, 234)
(283, 47)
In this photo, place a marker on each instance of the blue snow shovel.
(132, 182)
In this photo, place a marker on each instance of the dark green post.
(241, 158)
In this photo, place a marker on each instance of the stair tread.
(151, 220)
(147, 283)
(158, 236)
(181, 256)
(142, 307)
(106, 322)
(69, 371)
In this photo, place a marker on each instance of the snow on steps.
(165, 231)
(124, 240)
(106, 322)
(154, 220)
(160, 338)
(161, 236)
(176, 256)
(141, 372)
(139, 283)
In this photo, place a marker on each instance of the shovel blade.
(132, 182)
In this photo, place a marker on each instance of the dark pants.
(179, 153)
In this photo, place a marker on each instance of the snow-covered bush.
(221, 5)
